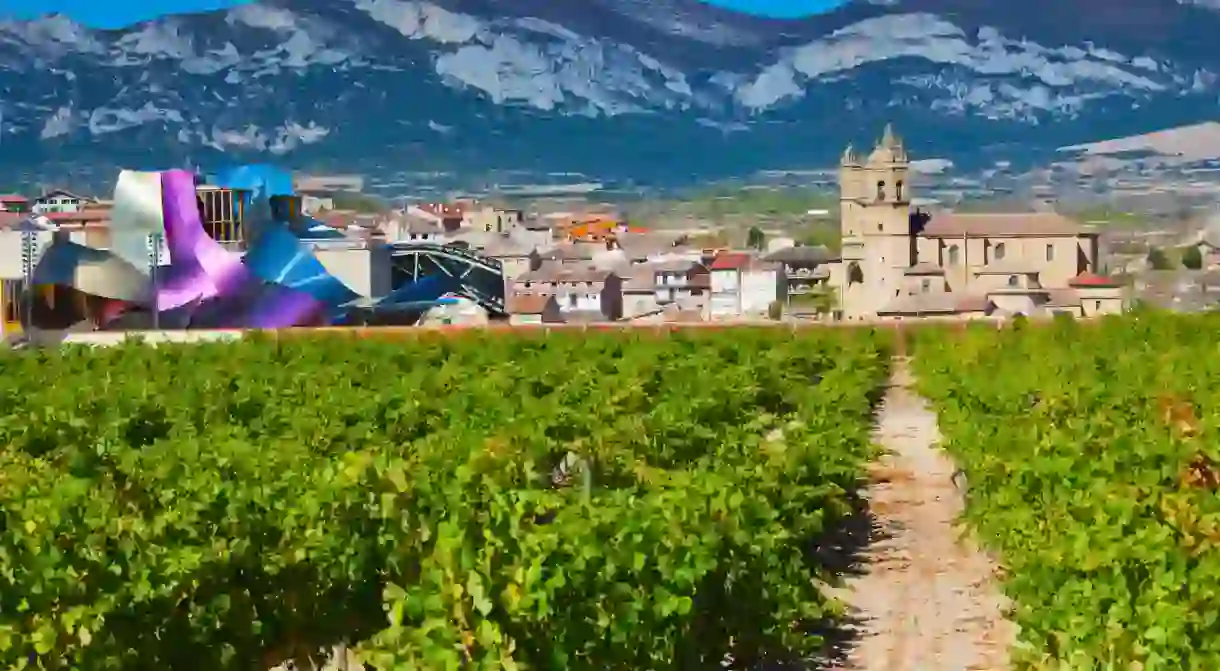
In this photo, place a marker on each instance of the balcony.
(805, 273)
(809, 288)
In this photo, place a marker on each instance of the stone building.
(898, 261)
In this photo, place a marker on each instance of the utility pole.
(154, 263)
(28, 243)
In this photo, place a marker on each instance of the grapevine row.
(561, 501)
(1091, 454)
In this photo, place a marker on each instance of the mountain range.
(631, 91)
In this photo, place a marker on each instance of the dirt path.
(924, 600)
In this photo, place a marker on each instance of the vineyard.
(1093, 458)
(549, 501)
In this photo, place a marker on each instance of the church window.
(953, 254)
(881, 190)
(854, 274)
(898, 190)
(999, 251)
(1050, 252)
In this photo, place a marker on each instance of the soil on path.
(924, 597)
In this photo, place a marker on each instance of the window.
(572, 300)
(898, 190)
(881, 190)
(11, 291)
(1012, 280)
(1097, 305)
(953, 254)
(1050, 252)
(999, 251)
(880, 227)
(925, 286)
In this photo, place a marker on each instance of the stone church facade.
(898, 261)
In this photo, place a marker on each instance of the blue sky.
(114, 13)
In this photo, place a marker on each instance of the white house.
(576, 290)
(414, 228)
(58, 201)
(741, 285)
(682, 282)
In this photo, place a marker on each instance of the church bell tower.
(875, 210)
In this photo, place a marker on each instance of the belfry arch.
(854, 274)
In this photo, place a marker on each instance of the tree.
(825, 235)
(756, 239)
(825, 302)
(1157, 259)
(1192, 258)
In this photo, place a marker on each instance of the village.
(896, 260)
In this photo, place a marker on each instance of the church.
(899, 261)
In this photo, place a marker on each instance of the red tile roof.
(13, 198)
(731, 261)
(1088, 279)
(75, 217)
(443, 210)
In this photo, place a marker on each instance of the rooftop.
(1088, 279)
(676, 266)
(802, 254)
(1000, 225)
(643, 279)
(567, 252)
(638, 246)
(562, 274)
(506, 246)
(419, 225)
(1008, 267)
(731, 261)
(444, 210)
(924, 269)
(932, 304)
(528, 304)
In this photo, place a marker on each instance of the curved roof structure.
(278, 282)
(92, 271)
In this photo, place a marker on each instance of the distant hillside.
(1186, 144)
(485, 93)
